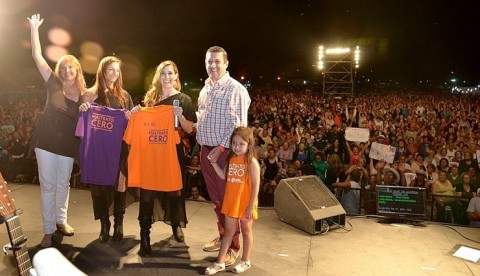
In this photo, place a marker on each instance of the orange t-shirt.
(153, 161)
(238, 190)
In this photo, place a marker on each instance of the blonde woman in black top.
(54, 140)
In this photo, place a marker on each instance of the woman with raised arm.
(54, 140)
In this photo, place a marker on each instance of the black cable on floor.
(450, 227)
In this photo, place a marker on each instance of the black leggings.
(170, 207)
(103, 197)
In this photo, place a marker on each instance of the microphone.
(177, 104)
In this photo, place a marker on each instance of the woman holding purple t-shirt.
(107, 91)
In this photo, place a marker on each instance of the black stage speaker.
(306, 203)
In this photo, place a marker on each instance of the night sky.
(405, 41)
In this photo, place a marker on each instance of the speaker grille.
(314, 194)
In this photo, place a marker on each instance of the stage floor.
(365, 247)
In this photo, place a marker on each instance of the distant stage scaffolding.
(338, 66)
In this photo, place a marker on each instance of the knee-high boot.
(118, 213)
(118, 226)
(145, 218)
(175, 204)
(104, 229)
(100, 210)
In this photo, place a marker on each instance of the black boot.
(145, 218)
(145, 247)
(177, 206)
(105, 229)
(119, 205)
(178, 233)
(118, 227)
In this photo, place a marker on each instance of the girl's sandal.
(214, 268)
(241, 267)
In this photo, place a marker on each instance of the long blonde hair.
(334, 162)
(79, 79)
(155, 93)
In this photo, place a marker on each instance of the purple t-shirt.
(101, 131)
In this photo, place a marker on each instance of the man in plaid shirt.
(222, 106)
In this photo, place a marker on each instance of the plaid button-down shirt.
(222, 107)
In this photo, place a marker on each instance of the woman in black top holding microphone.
(165, 90)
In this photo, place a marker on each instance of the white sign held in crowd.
(382, 152)
(356, 134)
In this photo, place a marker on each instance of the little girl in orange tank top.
(242, 173)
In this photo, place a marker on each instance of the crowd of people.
(299, 132)
(303, 133)
(435, 135)
(272, 134)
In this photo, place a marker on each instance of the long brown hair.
(247, 135)
(100, 85)
(155, 93)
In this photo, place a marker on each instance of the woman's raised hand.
(35, 20)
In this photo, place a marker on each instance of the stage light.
(90, 48)
(26, 44)
(320, 65)
(321, 56)
(322, 52)
(357, 57)
(59, 37)
(337, 51)
(338, 66)
(89, 63)
(132, 67)
(13, 8)
(54, 53)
